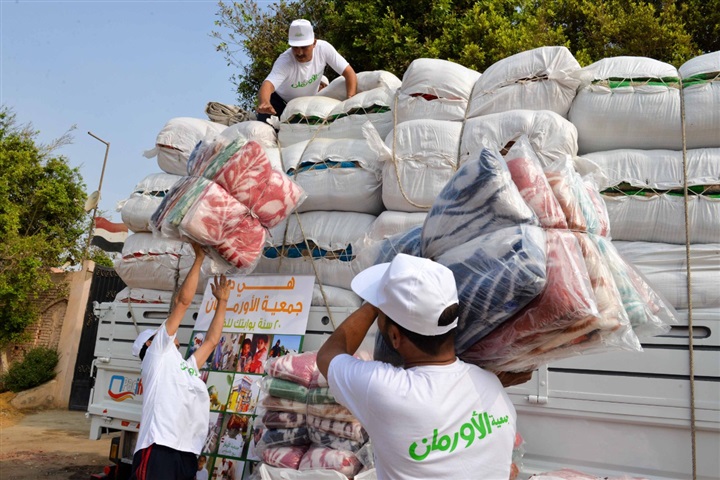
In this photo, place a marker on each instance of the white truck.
(608, 414)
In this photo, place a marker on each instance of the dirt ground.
(48, 444)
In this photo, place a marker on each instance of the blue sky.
(119, 69)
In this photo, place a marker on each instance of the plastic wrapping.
(332, 411)
(324, 458)
(566, 302)
(496, 275)
(277, 387)
(278, 404)
(276, 419)
(325, 439)
(283, 456)
(562, 178)
(320, 395)
(527, 174)
(610, 330)
(297, 367)
(351, 430)
(479, 199)
(649, 314)
(601, 213)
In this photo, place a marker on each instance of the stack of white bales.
(629, 117)
(322, 147)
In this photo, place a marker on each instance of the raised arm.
(185, 295)
(348, 336)
(221, 290)
(350, 81)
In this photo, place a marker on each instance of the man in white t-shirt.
(176, 404)
(437, 417)
(298, 71)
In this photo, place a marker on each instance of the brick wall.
(45, 332)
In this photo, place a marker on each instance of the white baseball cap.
(300, 34)
(143, 337)
(412, 291)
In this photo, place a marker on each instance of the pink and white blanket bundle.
(229, 200)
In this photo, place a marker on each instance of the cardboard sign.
(262, 304)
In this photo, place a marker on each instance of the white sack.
(702, 100)
(148, 295)
(302, 117)
(551, 136)
(661, 218)
(342, 175)
(639, 115)
(346, 120)
(337, 236)
(665, 267)
(177, 139)
(537, 79)
(658, 169)
(137, 209)
(424, 160)
(365, 81)
(447, 83)
(259, 132)
(390, 223)
(154, 263)
(335, 297)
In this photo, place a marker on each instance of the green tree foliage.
(382, 35)
(41, 222)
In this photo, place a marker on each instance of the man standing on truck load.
(298, 71)
(438, 417)
(176, 404)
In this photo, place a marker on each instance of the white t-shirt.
(176, 404)
(438, 421)
(293, 79)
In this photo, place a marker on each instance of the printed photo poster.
(266, 318)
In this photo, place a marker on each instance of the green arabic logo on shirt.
(190, 370)
(480, 426)
(306, 82)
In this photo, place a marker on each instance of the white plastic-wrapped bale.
(538, 79)
(434, 88)
(158, 263)
(338, 174)
(346, 120)
(665, 265)
(137, 209)
(701, 93)
(644, 194)
(627, 102)
(328, 239)
(391, 223)
(260, 132)
(365, 81)
(551, 136)
(177, 139)
(302, 118)
(658, 169)
(419, 157)
(149, 295)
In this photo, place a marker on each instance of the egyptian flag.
(109, 236)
